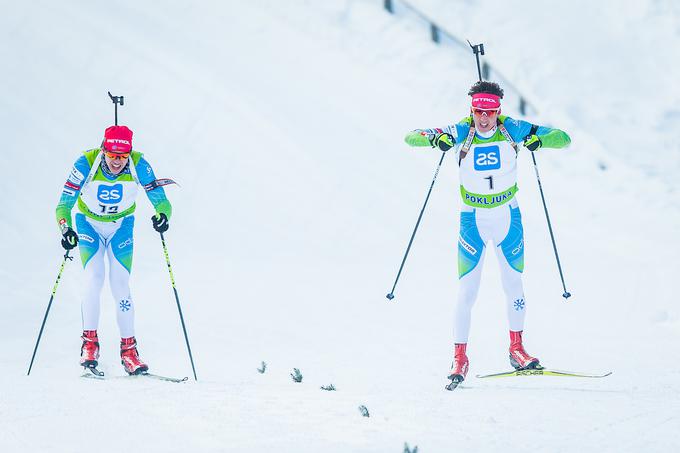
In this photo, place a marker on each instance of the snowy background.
(284, 122)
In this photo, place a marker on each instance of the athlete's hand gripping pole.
(179, 308)
(49, 305)
(390, 295)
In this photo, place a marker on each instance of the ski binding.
(455, 381)
(93, 373)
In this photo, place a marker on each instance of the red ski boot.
(459, 367)
(89, 351)
(519, 358)
(129, 356)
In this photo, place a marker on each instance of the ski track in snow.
(283, 123)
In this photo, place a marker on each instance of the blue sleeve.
(156, 195)
(71, 190)
(550, 137)
(462, 130)
(518, 129)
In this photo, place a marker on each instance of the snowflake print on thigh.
(125, 305)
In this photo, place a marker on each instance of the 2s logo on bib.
(487, 158)
(110, 194)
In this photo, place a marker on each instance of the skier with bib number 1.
(104, 183)
(487, 146)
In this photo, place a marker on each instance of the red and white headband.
(486, 101)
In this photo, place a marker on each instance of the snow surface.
(283, 122)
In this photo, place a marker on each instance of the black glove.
(70, 239)
(443, 141)
(160, 222)
(533, 142)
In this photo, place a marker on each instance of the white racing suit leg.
(91, 247)
(470, 259)
(502, 226)
(510, 253)
(120, 249)
(114, 239)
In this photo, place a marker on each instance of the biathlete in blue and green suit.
(104, 183)
(486, 144)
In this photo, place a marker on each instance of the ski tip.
(166, 378)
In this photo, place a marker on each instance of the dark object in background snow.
(408, 450)
(329, 387)
(602, 166)
(262, 368)
(296, 375)
(364, 411)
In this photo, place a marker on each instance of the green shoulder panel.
(136, 156)
(91, 155)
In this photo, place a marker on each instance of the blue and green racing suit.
(105, 223)
(489, 212)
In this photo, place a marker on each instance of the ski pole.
(566, 293)
(116, 100)
(49, 305)
(390, 295)
(179, 308)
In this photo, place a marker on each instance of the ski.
(543, 372)
(162, 378)
(94, 373)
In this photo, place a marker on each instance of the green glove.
(443, 141)
(532, 142)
